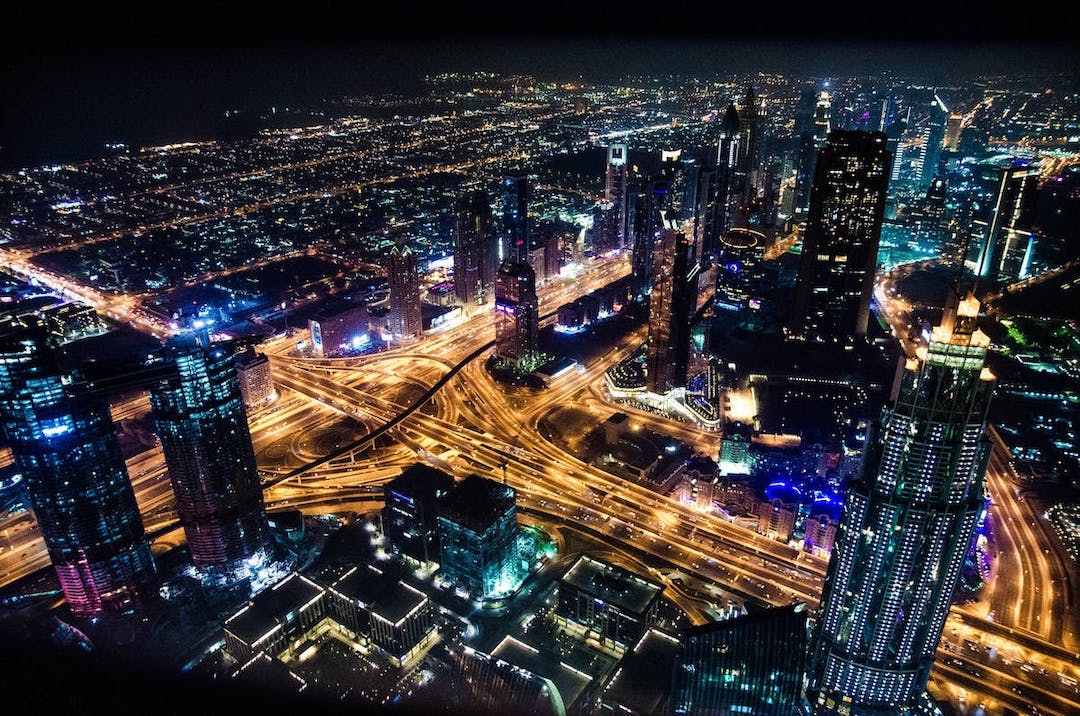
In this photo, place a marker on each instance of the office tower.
(405, 318)
(615, 191)
(62, 441)
(515, 218)
(750, 166)
(750, 664)
(478, 532)
(840, 244)
(669, 312)
(929, 221)
(908, 521)
(805, 154)
(517, 326)
(475, 250)
(409, 512)
(654, 198)
(1006, 234)
(726, 194)
(933, 136)
(256, 383)
(200, 419)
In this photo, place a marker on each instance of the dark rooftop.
(476, 503)
(390, 599)
(614, 585)
(269, 607)
(420, 481)
(644, 677)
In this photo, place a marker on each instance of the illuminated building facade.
(475, 249)
(840, 244)
(649, 204)
(64, 445)
(669, 312)
(1006, 233)
(405, 318)
(741, 253)
(752, 664)
(256, 384)
(517, 325)
(478, 538)
(200, 418)
(615, 191)
(409, 514)
(908, 522)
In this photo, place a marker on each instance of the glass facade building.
(515, 218)
(64, 445)
(478, 538)
(200, 419)
(751, 664)
(405, 318)
(409, 511)
(908, 522)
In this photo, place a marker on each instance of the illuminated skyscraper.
(840, 244)
(815, 129)
(648, 203)
(907, 524)
(200, 419)
(405, 317)
(933, 137)
(478, 538)
(750, 166)
(517, 326)
(1005, 233)
(669, 312)
(475, 250)
(515, 218)
(751, 664)
(615, 191)
(409, 513)
(64, 445)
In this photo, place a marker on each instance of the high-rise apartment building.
(256, 383)
(199, 417)
(64, 445)
(405, 317)
(840, 244)
(907, 524)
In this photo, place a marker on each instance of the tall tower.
(515, 205)
(907, 525)
(63, 442)
(199, 417)
(669, 311)
(751, 145)
(405, 317)
(474, 249)
(839, 254)
(654, 199)
(727, 164)
(812, 140)
(615, 191)
(1006, 236)
(933, 136)
(516, 331)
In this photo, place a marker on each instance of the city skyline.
(498, 390)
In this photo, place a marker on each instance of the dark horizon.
(65, 107)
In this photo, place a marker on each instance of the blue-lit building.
(409, 514)
(199, 417)
(751, 664)
(907, 524)
(63, 443)
(478, 538)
